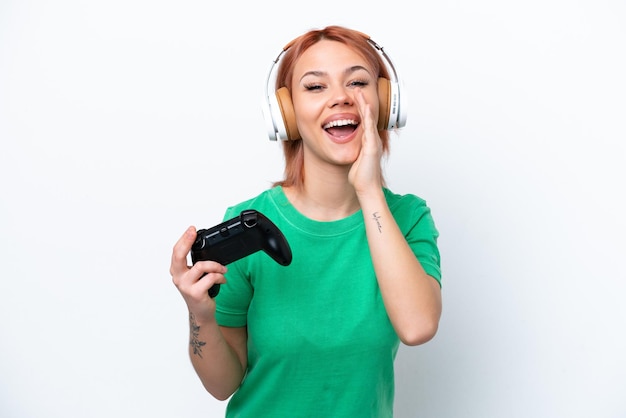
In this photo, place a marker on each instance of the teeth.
(342, 122)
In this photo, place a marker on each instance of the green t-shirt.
(320, 343)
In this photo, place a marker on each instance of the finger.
(209, 267)
(180, 251)
(365, 111)
(206, 281)
(372, 143)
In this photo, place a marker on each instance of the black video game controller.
(239, 237)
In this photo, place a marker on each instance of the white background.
(123, 122)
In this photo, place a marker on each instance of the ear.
(286, 110)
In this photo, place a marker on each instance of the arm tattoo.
(376, 217)
(194, 330)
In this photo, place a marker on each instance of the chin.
(347, 159)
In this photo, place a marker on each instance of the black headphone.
(280, 117)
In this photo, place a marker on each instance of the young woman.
(319, 337)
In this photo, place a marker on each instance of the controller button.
(224, 232)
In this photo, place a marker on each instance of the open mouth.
(341, 128)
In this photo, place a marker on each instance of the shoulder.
(403, 202)
(261, 202)
(410, 211)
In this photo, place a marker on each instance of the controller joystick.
(239, 237)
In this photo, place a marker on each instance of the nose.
(340, 96)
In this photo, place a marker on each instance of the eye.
(358, 83)
(313, 86)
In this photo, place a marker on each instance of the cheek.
(303, 106)
(307, 113)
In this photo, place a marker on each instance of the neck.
(326, 195)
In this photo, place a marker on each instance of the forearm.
(217, 364)
(412, 298)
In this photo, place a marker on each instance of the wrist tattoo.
(376, 217)
(194, 331)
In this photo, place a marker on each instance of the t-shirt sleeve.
(416, 222)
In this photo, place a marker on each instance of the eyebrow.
(347, 71)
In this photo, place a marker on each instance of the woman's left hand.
(366, 172)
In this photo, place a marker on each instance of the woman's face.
(324, 82)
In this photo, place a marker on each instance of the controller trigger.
(249, 218)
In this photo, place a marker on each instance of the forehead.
(328, 56)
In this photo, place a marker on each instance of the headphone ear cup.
(283, 96)
(384, 103)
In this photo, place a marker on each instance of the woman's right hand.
(190, 281)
